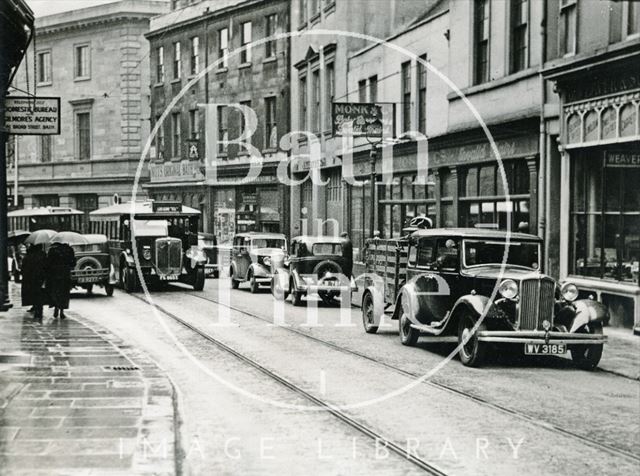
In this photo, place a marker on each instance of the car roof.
(473, 233)
(318, 239)
(258, 234)
(95, 239)
(44, 211)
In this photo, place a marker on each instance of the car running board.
(432, 334)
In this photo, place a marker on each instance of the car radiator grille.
(169, 255)
(536, 303)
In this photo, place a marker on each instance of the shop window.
(483, 201)
(605, 221)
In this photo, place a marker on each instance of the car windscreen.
(268, 243)
(88, 248)
(150, 228)
(319, 249)
(484, 252)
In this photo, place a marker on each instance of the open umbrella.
(70, 237)
(17, 236)
(40, 237)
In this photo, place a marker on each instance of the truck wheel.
(199, 279)
(408, 335)
(473, 352)
(587, 357)
(254, 287)
(368, 317)
(108, 288)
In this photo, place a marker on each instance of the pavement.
(76, 400)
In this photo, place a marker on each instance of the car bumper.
(313, 288)
(540, 337)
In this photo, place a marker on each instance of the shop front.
(464, 185)
(599, 183)
(243, 208)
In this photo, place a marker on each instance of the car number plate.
(93, 279)
(545, 349)
(169, 278)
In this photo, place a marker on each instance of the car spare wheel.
(325, 267)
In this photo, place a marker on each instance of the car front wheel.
(587, 357)
(408, 335)
(472, 351)
(254, 287)
(234, 283)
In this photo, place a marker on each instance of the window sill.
(82, 78)
(158, 85)
(315, 18)
(302, 26)
(175, 159)
(45, 83)
(270, 150)
(330, 8)
(270, 59)
(245, 65)
(222, 70)
(496, 83)
(176, 80)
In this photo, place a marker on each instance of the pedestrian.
(347, 254)
(60, 261)
(33, 279)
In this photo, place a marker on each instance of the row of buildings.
(555, 84)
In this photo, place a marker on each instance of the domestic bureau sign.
(35, 116)
(365, 119)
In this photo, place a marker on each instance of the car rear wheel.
(254, 287)
(128, 276)
(408, 335)
(587, 357)
(473, 351)
(234, 283)
(368, 317)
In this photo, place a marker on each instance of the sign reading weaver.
(366, 119)
(35, 116)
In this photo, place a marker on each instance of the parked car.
(93, 264)
(451, 285)
(254, 257)
(316, 265)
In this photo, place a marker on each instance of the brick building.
(96, 60)
(184, 43)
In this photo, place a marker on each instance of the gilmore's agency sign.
(32, 115)
(365, 119)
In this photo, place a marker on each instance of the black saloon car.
(316, 265)
(479, 288)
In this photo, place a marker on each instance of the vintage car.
(161, 236)
(316, 265)
(254, 257)
(93, 264)
(452, 285)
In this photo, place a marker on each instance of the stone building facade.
(184, 43)
(96, 60)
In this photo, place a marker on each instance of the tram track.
(481, 401)
(399, 450)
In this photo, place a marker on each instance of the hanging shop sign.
(32, 116)
(365, 119)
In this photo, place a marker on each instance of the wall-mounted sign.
(32, 116)
(622, 159)
(365, 119)
(175, 171)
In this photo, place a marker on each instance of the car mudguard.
(258, 270)
(281, 279)
(588, 310)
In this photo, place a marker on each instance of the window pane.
(487, 181)
(471, 189)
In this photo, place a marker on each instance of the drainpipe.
(543, 181)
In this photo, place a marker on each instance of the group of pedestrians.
(46, 278)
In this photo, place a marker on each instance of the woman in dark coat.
(60, 261)
(33, 279)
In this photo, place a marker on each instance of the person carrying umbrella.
(33, 279)
(60, 261)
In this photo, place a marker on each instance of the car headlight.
(146, 252)
(266, 261)
(195, 253)
(508, 289)
(569, 292)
